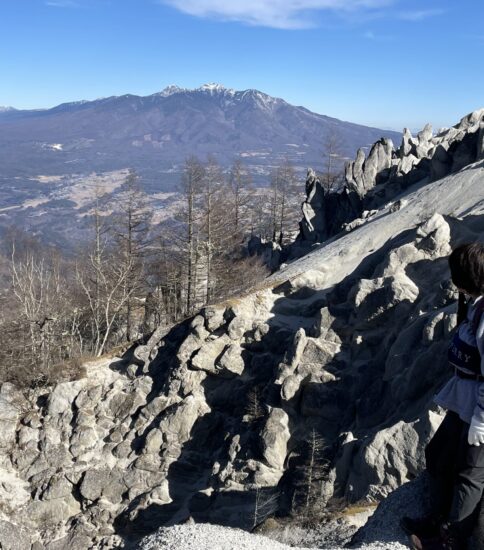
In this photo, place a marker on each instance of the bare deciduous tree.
(284, 204)
(332, 160)
(186, 233)
(42, 328)
(102, 273)
(131, 230)
(107, 296)
(241, 187)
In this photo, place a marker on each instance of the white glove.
(476, 432)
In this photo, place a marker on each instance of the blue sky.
(387, 63)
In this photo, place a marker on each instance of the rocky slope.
(373, 180)
(213, 419)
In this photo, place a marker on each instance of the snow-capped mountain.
(154, 134)
(50, 157)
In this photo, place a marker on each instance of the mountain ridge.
(211, 89)
(155, 133)
(75, 142)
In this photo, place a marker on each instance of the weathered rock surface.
(227, 404)
(372, 180)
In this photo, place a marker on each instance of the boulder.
(375, 298)
(14, 537)
(433, 237)
(407, 144)
(407, 164)
(318, 352)
(379, 159)
(391, 457)
(62, 397)
(441, 163)
(58, 487)
(323, 324)
(231, 362)
(472, 121)
(425, 135)
(238, 327)
(358, 169)
(274, 437)
(93, 483)
(207, 356)
(465, 152)
(192, 343)
(214, 317)
(49, 514)
(177, 424)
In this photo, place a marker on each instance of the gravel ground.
(204, 536)
(380, 532)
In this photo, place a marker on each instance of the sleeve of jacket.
(479, 410)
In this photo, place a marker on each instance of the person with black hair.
(455, 454)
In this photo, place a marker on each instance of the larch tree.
(310, 475)
(185, 230)
(284, 206)
(241, 187)
(103, 280)
(212, 223)
(131, 231)
(332, 159)
(223, 230)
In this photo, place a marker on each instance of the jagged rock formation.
(361, 175)
(372, 180)
(325, 213)
(213, 414)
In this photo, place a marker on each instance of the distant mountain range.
(48, 156)
(154, 134)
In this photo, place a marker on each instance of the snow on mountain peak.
(263, 100)
(213, 88)
(170, 90)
